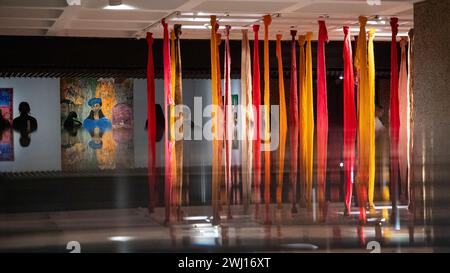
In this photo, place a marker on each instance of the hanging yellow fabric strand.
(364, 121)
(307, 121)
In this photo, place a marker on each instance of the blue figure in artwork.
(96, 118)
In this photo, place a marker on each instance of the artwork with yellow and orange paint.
(96, 123)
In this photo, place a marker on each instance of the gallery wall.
(44, 151)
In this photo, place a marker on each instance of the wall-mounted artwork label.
(96, 124)
(6, 134)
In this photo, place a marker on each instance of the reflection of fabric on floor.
(122, 116)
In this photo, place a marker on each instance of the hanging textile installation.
(404, 110)
(228, 115)
(282, 121)
(168, 103)
(302, 119)
(349, 121)
(257, 114)
(411, 114)
(151, 130)
(220, 122)
(371, 110)
(307, 121)
(267, 20)
(216, 159)
(247, 118)
(178, 117)
(394, 117)
(363, 120)
(322, 113)
(293, 122)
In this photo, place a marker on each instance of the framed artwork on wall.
(6, 134)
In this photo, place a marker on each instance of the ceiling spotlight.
(117, 5)
(73, 2)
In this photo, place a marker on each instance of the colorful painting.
(97, 124)
(6, 135)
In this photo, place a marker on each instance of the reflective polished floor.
(115, 211)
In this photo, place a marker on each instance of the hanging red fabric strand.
(151, 128)
(394, 125)
(322, 113)
(256, 99)
(349, 121)
(294, 125)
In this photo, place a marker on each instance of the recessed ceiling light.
(120, 7)
(121, 238)
(117, 5)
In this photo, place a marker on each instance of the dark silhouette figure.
(72, 122)
(24, 122)
(25, 138)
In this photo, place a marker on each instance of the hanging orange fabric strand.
(214, 116)
(257, 127)
(267, 20)
(283, 122)
(302, 120)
